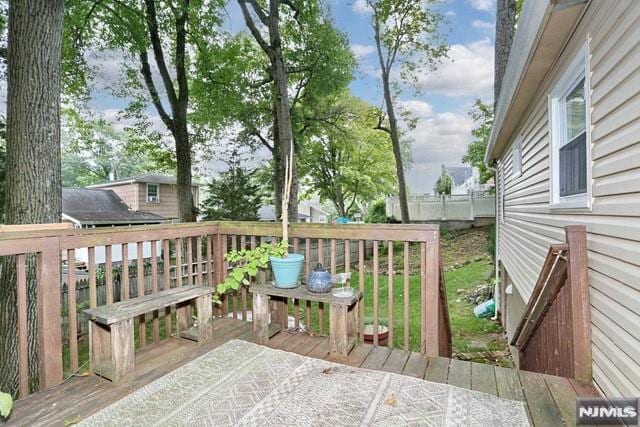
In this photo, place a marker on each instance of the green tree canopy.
(348, 163)
(444, 183)
(234, 195)
(93, 152)
(483, 116)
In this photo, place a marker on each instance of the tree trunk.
(33, 182)
(397, 150)
(283, 112)
(505, 29)
(186, 210)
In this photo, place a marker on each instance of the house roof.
(153, 178)
(268, 213)
(544, 27)
(460, 174)
(101, 207)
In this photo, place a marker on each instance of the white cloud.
(467, 72)
(484, 5)
(438, 138)
(361, 7)
(483, 25)
(450, 13)
(361, 50)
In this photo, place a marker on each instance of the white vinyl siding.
(613, 221)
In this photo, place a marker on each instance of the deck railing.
(398, 268)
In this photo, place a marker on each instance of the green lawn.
(470, 334)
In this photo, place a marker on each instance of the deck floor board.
(548, 399)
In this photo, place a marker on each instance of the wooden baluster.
(179, 262)
(332, 256)
(166, 279)
(406, 295)
(23, 328)
(154, 288)
(234, 298)
(210, 261)
(199, 261)
(224, 301)
(361, 249)
(108, 273)
(375, 293)
(347, 256)
(124, 280)
(307, 270)
(142, 322)
(93, 294)
(189, 261)
(431, 298)
(243, 288)
(72, 309)
(296, 302)
(320, 304)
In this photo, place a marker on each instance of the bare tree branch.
(156, 43)
(153, 92)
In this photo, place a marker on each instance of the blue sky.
(447, 94)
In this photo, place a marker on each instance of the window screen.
(573, 154)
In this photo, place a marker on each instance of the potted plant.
(286, 267)
(383, 331)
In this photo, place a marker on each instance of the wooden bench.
(343, 314)
(111, 344)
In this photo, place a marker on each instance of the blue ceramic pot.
(286, 271)
(319, 280)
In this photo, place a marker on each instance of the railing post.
(578, 280)
(431, 295)
(49, 327)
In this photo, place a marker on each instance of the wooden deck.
(549, 400)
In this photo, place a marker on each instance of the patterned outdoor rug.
(241, 383)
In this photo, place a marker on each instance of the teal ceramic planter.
(286, 271)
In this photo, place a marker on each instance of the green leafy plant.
(6, 404)
(247, 263)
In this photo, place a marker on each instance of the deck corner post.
(431, 297)
(578, 280)
(49, 325)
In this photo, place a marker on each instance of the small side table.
(343, 314)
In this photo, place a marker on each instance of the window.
(570, 139)
(153, 193)
(516, 158)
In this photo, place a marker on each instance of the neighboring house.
(465, 180)
(566, 147)
(151, 192)
(308, 211)
(89, 208)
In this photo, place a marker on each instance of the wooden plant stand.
(343, 315)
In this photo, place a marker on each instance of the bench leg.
(342, 329)
(122, 350)
(112, 350)
(184, 320)
(261, 318)
(204, 306)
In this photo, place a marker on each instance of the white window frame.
(157, 192)
(516, 158)
(575, 72)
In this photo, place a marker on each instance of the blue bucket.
(287, 270)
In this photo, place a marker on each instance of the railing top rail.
(395, 232)
(15, 242)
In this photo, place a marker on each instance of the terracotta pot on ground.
(383, 334)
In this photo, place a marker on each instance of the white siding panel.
(613, 222)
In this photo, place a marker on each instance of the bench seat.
(111, 327)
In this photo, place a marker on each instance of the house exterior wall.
(135, 195)
(526, 223)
